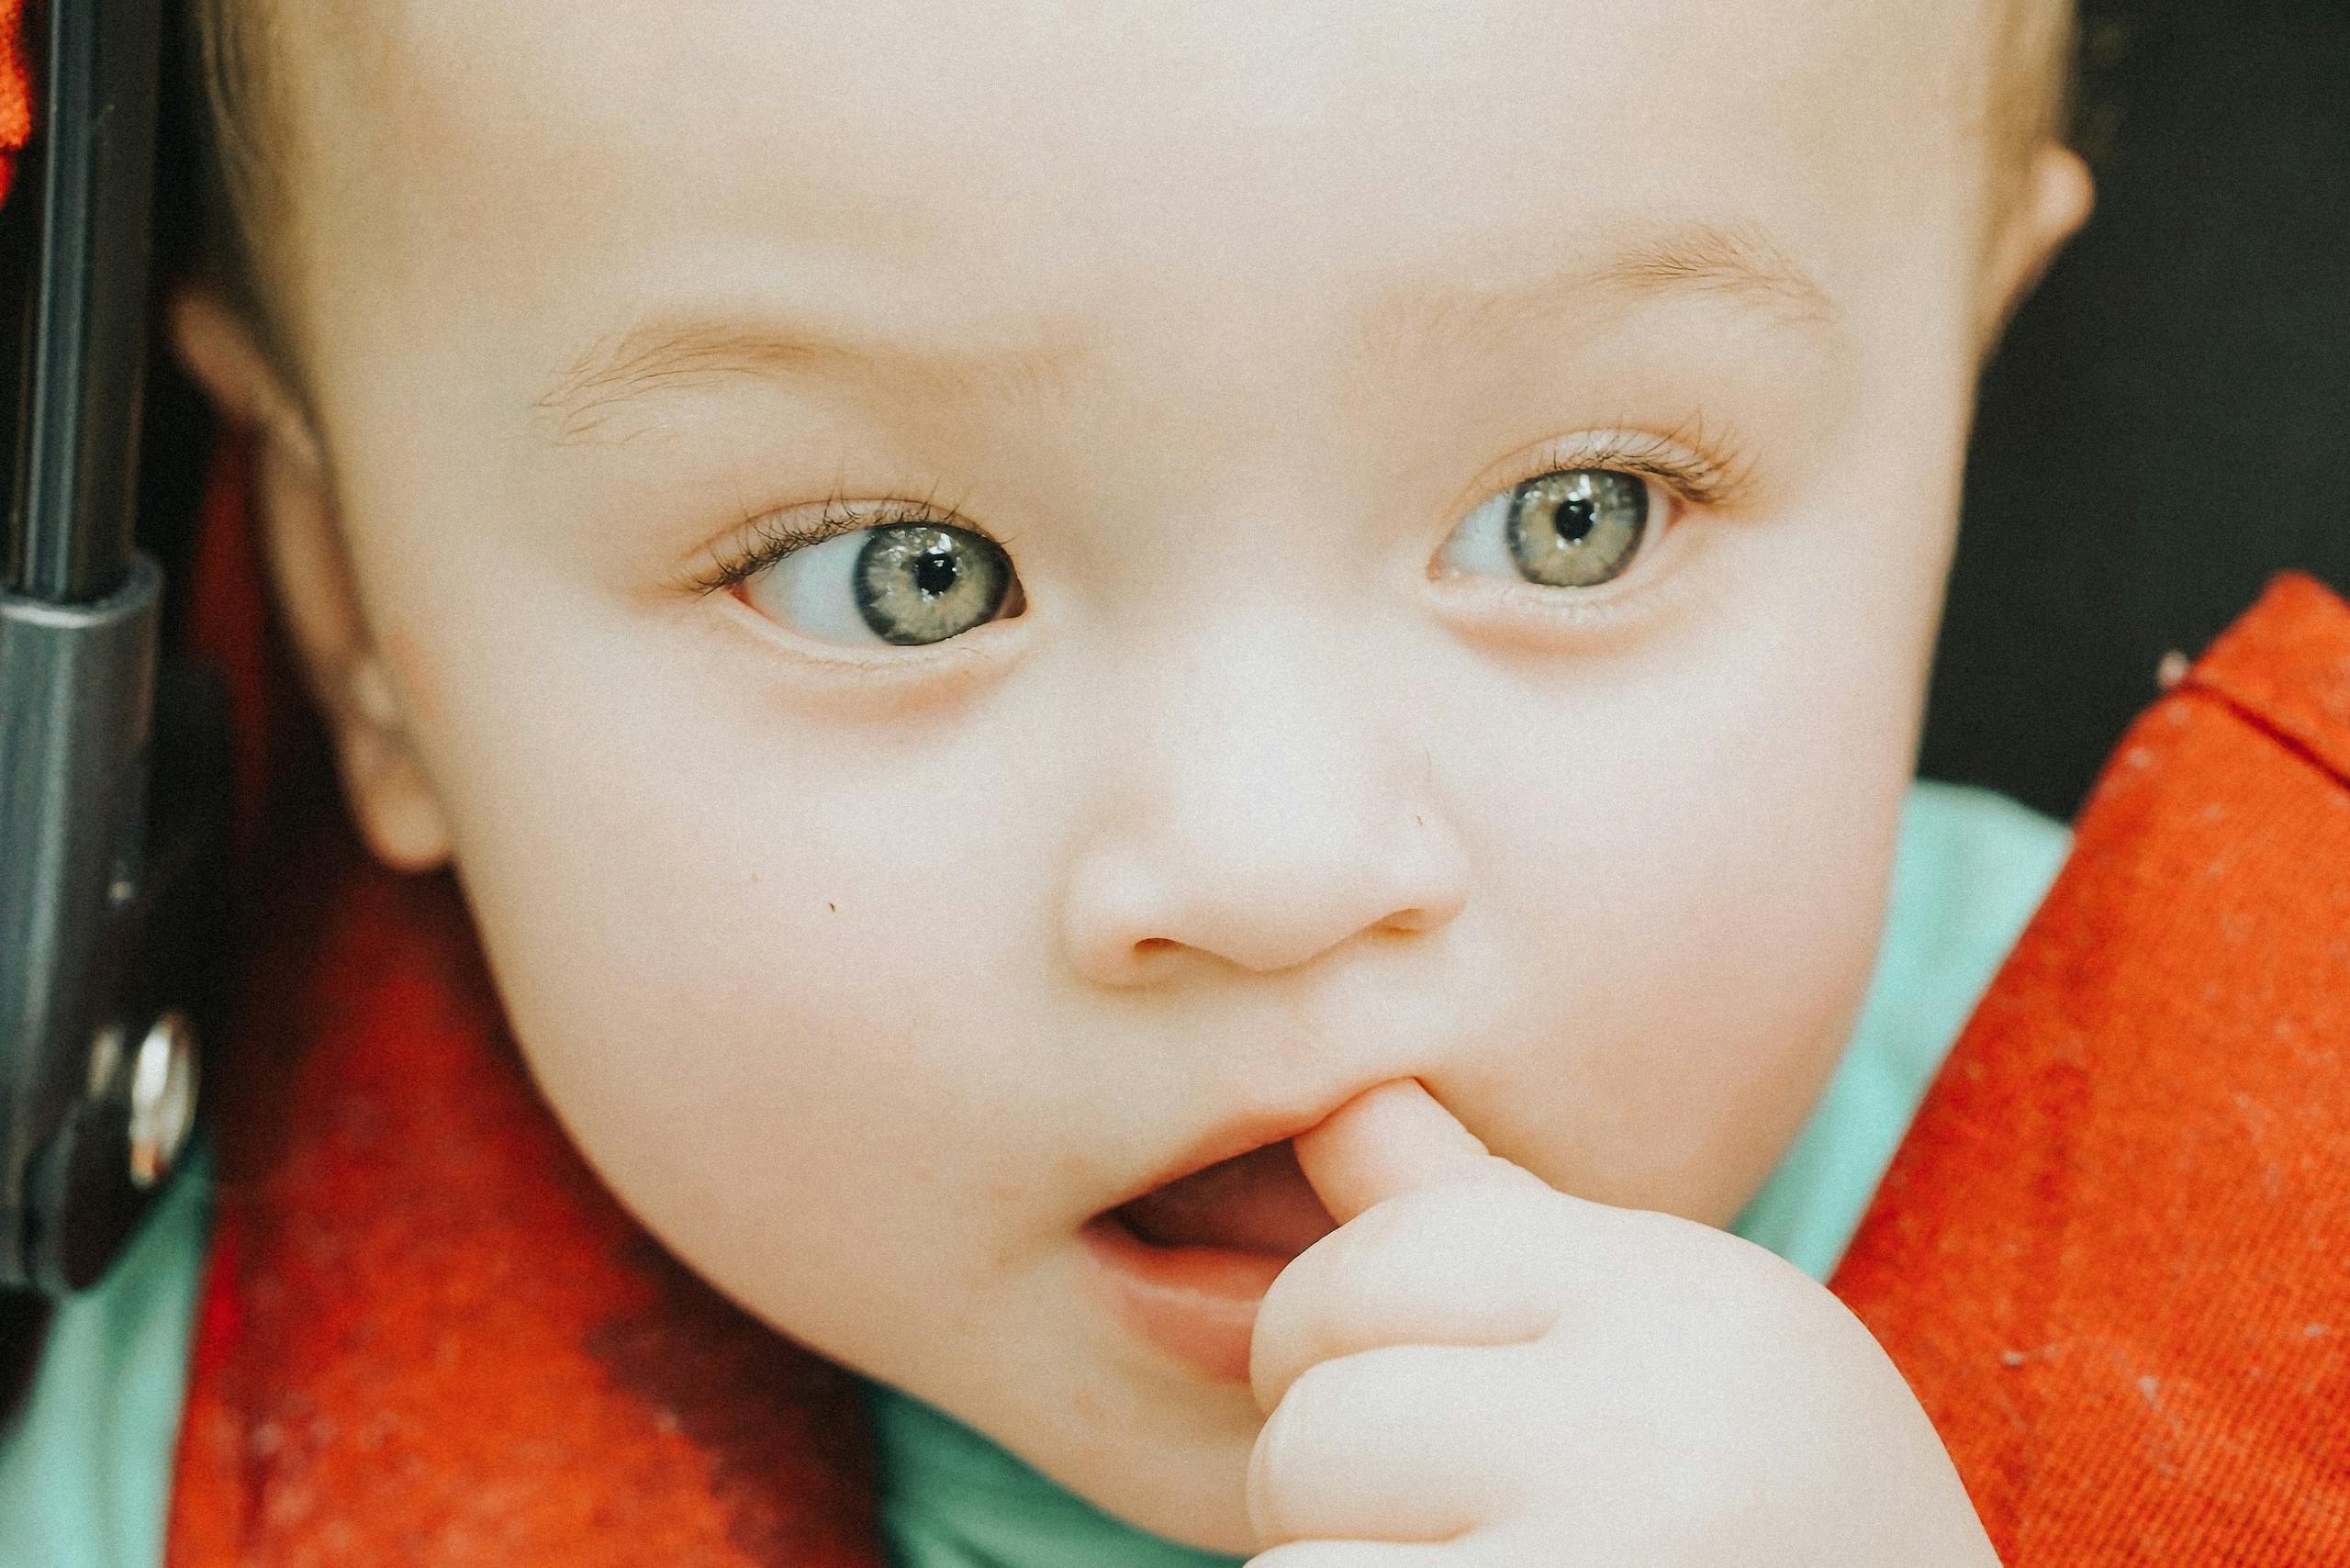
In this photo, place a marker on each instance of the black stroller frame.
(111, 803)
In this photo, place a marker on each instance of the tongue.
(1257, 1202)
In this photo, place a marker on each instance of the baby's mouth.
(1259, 1202)
(1187, 1264)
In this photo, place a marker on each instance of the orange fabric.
(2110, 1256)
(2113, 1255)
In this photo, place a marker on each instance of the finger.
(1392, 1138)
(1398, 1444)
(1474, 1263)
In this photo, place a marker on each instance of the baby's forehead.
(1094, 144)
(1199, 179)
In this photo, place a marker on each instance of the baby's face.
(1398, 540)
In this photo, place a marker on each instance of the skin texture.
(866, 974)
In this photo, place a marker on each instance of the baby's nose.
(1262, 819)
(1302, 894)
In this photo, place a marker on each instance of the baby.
(1181, 725)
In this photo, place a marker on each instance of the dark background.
(2169, 423)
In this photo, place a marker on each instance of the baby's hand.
(1476, 1360)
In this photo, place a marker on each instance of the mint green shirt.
(84, 1472)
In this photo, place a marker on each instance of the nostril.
(1286, 901)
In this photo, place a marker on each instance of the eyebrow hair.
(1739, 265)
(665, 355)
(1739, 260)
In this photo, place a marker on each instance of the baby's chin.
(1154, 1444)
(1187, 1489)
(1065, 1393)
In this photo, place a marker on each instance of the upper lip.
(1229, 1139)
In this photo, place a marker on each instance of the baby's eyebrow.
(1738, 266)
(676, 353)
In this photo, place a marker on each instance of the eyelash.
(1677, 460)
(772, 539)
(1674, 460)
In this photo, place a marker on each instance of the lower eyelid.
(934, 670)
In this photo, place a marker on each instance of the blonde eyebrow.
(1741, 261)
(1739, 265)
(669, 355)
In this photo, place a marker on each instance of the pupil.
(1574, 520)
(936, 572)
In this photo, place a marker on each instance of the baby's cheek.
(769, 1148)
(1691, 972)
(750, 1090)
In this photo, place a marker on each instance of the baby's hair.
(240, 117)
(250, 135)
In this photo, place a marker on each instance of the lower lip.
(1197, 1304)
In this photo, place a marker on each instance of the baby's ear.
(294, 504)
(2049, 205)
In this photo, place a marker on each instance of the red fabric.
(16, 91)
(2110, 1255)
(2113, 1255)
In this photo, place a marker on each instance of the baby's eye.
(907, 583)
(1570, 528)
